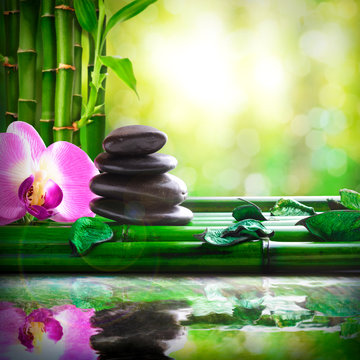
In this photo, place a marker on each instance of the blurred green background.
(258, 97)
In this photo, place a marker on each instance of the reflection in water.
(134, 317)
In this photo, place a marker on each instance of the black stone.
(155, 190)
(147, 164)
(134, 140)
(136, 213)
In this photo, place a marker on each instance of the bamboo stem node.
(14, 115)
(26, 51)
(9, 65)
(10, 12)
(28, 100)
(65, 67)
(46, 120)
(64, 7)
(47, 15)
(49, 70)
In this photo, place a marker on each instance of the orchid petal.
(53, 195)
(39, 212)
(71, 169)
(24, 188)
(53, 329)
(27, 133)
(15, 167)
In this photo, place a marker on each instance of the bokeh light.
(257, 97)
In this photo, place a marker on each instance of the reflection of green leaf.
(336, 225)
(350, 328)
(122, 68)
(88, 232)
(350, 199)
(290, 207)
(242, 231)
(248, 211)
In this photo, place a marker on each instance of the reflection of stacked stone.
(135, 186)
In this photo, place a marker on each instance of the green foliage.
(122, 68)
(350, 199)
(336, 225)
(126, 13)
(86, 15)
(88, 232)
(290, 207)
(249, 211)
(242, 231)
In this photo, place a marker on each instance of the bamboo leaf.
(88, 232)
(123, 69)
(350, 199)
(248, 211)
(290, 207)
(240, 232)
(86, 15)
(126, 13)
(336, 225)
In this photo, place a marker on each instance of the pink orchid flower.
(48, 182)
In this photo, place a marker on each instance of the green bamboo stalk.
(29, 11)
(95, 131)
(48, 71)
(38, 74)
(64, 26)
(227, 204)
(77, 98)
(12, 23)
(2, 68)
(259, 256)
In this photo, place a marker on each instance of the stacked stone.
(135, 186)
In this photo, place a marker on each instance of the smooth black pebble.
(147, 164)
(134, 140)
(156, 190)
(135, 213)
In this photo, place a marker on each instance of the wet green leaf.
(248, 211)
(240, 232)
(350, 199)
(336, 225)
(88, 232)
(290, 207)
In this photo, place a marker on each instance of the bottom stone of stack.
(136, 213)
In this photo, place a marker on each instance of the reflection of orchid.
(48, 182)
(62, 332)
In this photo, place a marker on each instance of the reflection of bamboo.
(49, 70)
(29, 11)
(220, 204)
(12, 20)
(77, 98)
(64, 26)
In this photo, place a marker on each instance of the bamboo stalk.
(49, 70)
(227, 204)
(29, 11)
(251, 257)
(12, 23)
(38, 74)
(77, 98)
(95, 131)
(64, 26)
(2, 68)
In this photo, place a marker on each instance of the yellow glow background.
(258, 97)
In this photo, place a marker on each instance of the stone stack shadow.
(135, 186)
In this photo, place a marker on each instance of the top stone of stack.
(134, 140)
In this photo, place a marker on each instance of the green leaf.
(290, 207)
(350, 199)
(336, 225)
(123, 69)
(88, 232)
(242, 231)
(126, 13)
(86, 15)
(249, 211)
